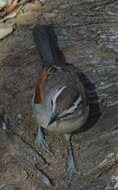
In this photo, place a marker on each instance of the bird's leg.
(71, 168)
(40, 140)
(29, 158)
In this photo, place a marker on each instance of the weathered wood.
(87, 33)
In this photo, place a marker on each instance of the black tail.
(44, 39)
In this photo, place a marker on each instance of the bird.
(59, 102)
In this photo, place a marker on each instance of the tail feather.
(43, 39)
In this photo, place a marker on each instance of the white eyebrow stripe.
(72, 108)
(55, 97)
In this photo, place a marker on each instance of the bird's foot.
(70, 173)
(29, 158)
(41, 143)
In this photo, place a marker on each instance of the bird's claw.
(23, 152)
(41, 143)
(29, 158)
(70, 173)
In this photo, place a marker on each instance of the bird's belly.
(70, 125)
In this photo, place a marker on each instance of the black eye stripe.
(51, 104)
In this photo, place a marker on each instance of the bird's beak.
(53, 118)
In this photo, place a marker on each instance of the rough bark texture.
(87, 32)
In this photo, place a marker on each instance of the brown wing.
(39, 87)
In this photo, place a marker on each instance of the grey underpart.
(40, 140)
(71, 165)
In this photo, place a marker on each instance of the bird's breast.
(69, 125)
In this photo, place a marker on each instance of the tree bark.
(87, 33)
